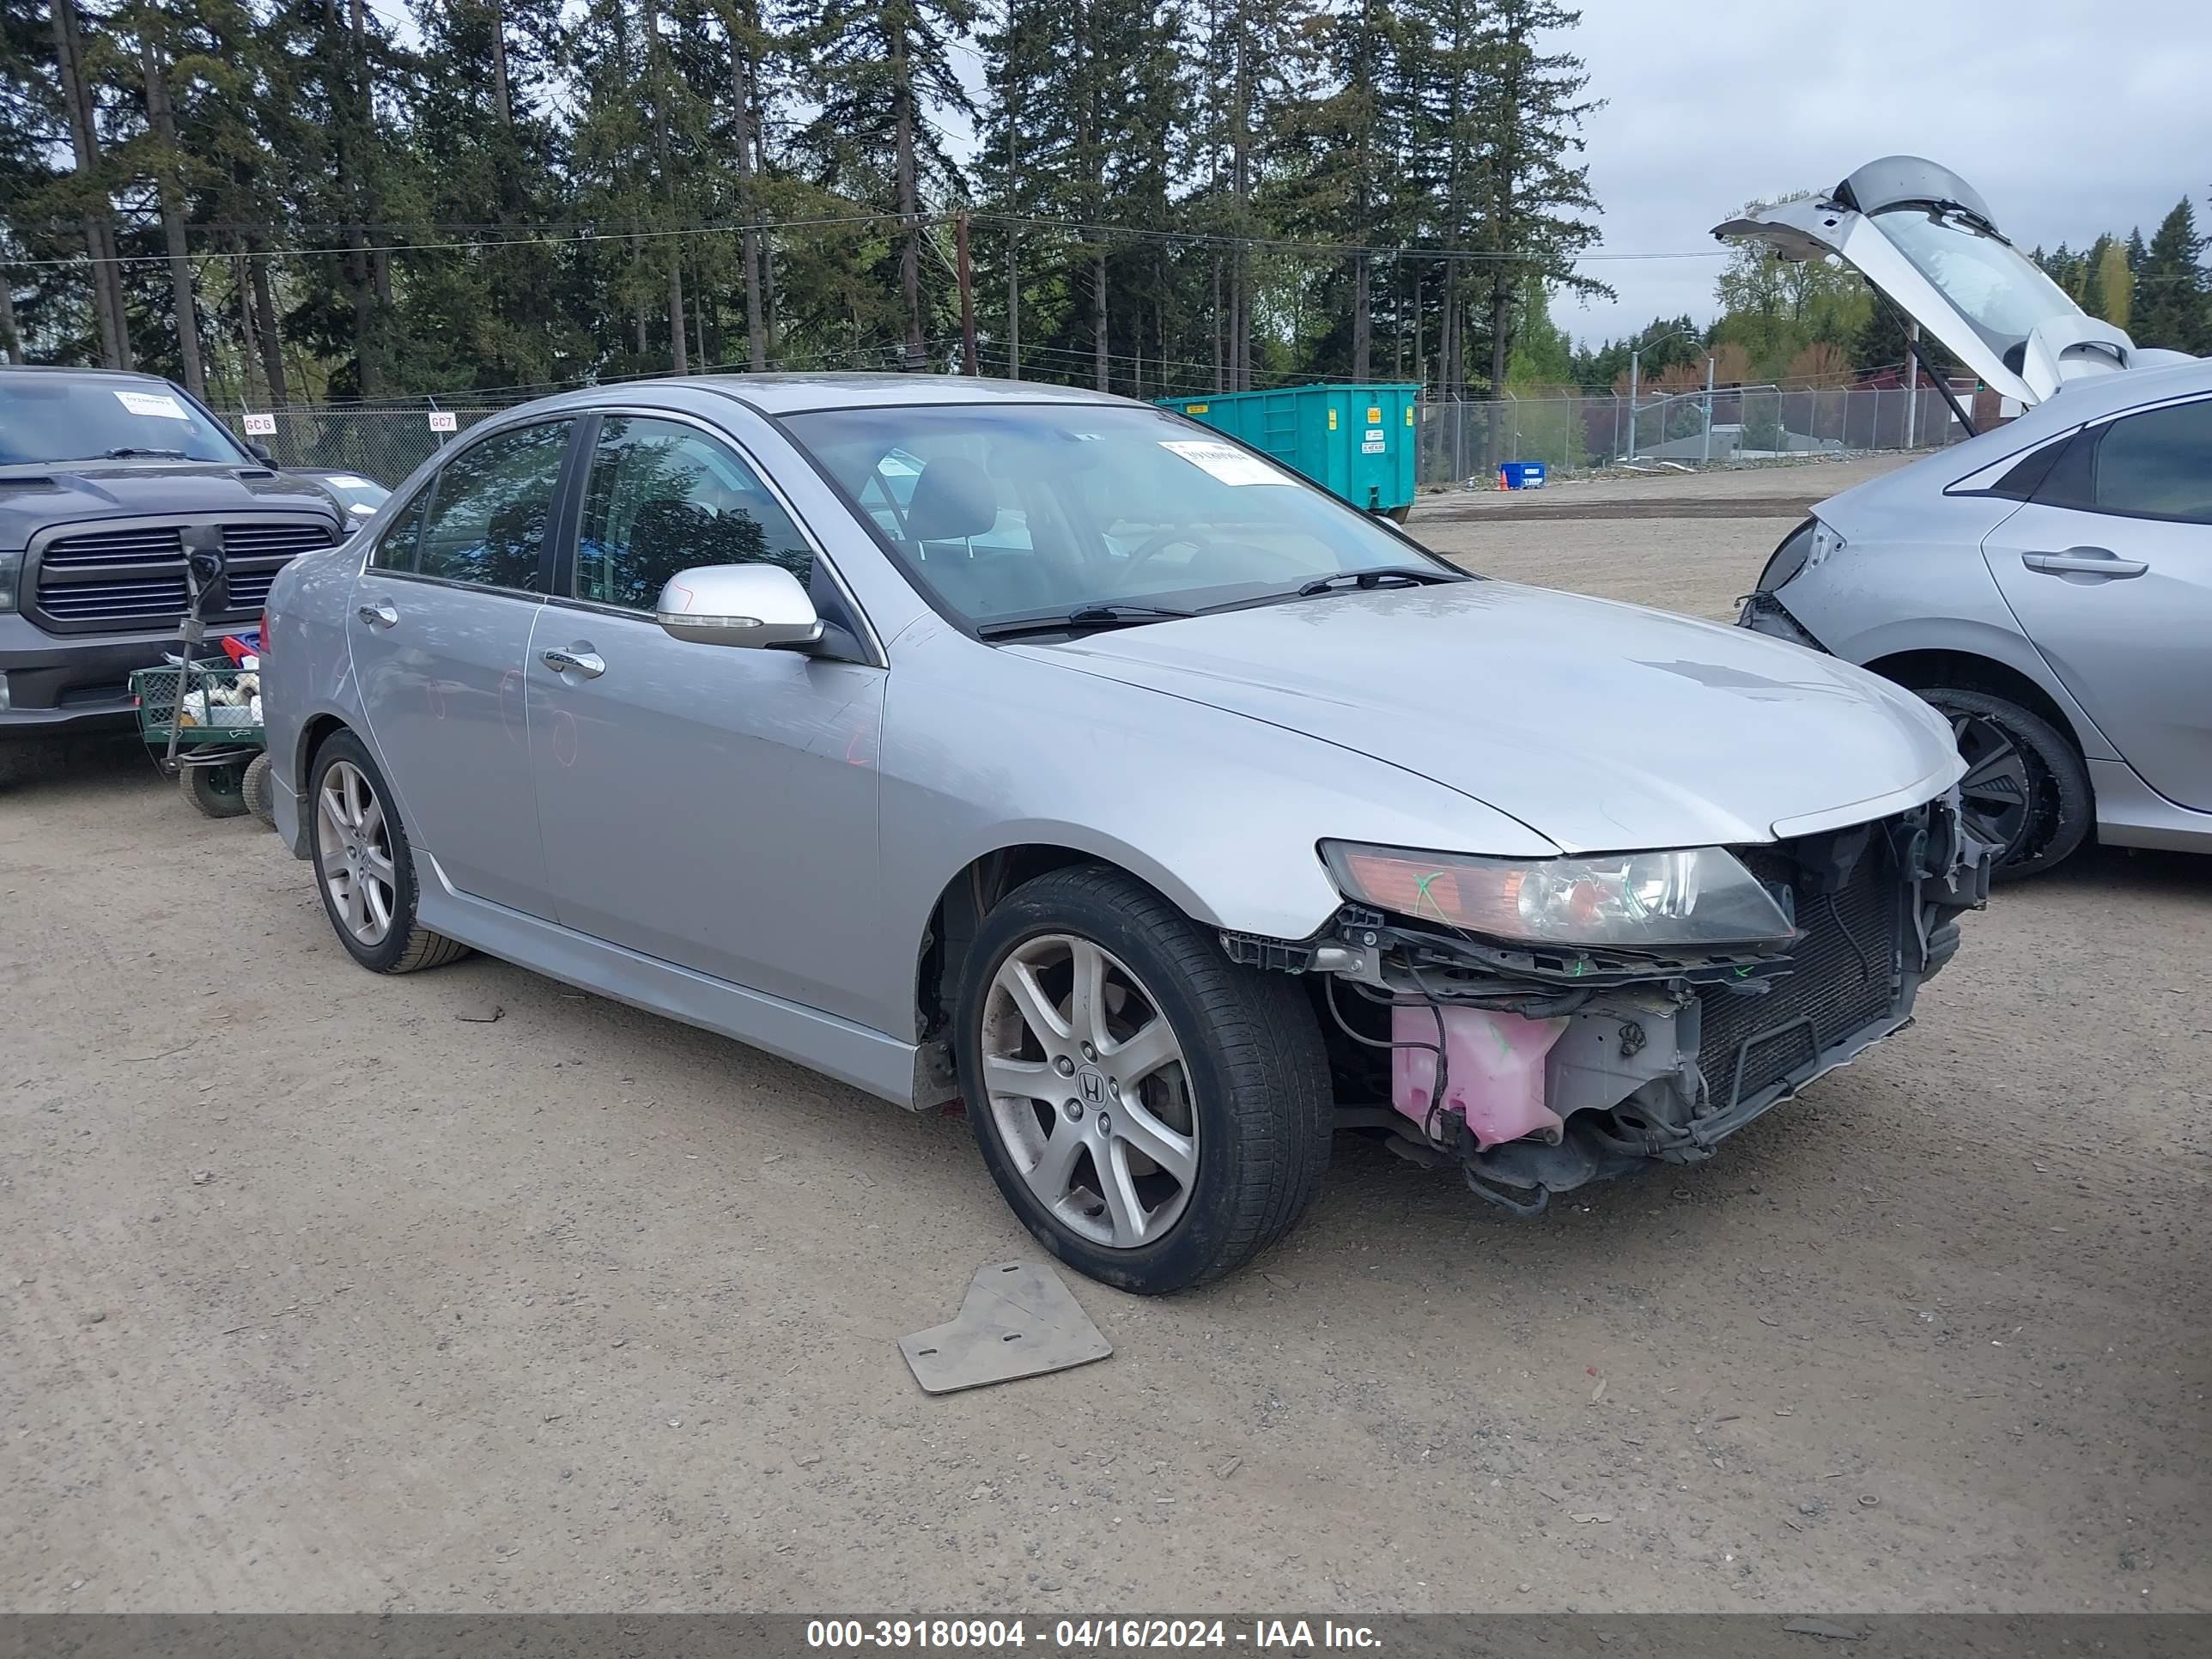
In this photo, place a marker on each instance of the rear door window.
(489, 507)
(2157, 465)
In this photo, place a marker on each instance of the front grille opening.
(1844, 979)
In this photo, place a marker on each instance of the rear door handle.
(2084, 562)
(579, 660)
(379, 614)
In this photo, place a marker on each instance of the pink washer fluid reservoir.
(1493, 1072)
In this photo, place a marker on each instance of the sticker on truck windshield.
(1226, 462)
(153, 403)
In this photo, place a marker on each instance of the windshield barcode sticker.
(1226, 462)
(153, 403)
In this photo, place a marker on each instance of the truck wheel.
(1155, 1115)
(217, 791)
(255, 787)
(2026, 787)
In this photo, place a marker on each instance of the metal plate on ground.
(1016, 1320)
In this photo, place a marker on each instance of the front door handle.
(379, 614)
(2084, 562)
(579, 660)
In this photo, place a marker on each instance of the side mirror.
(260, 452)
(754, 604)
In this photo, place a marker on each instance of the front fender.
(1969, 636)
(986, 749)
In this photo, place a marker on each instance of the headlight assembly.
(1698, 896)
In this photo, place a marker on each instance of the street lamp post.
(1635, 364)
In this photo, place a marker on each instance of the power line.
(581, 236)
(1174, 238)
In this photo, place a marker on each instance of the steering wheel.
(1155, 545)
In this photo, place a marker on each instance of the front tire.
(1155, 1115)
(2026, 787)
(363, 868)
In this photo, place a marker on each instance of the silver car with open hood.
(2047, 583)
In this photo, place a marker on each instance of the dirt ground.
(322, 1291)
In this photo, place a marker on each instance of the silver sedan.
(1015, 745)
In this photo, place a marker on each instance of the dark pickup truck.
(107, 481)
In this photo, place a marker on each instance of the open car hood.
(1924, 239)
(1601, 726)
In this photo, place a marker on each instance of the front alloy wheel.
(1089, 1090)
(2026, 789)
(1155, 1114)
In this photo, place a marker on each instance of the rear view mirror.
(756, 604)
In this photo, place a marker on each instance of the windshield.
(1013, 512)
(46, 416)
(359, 496)
(1995, 286)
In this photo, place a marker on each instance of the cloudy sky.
(2069, 119)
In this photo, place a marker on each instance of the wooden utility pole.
(909, 207)
(967, 295)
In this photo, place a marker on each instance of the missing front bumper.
(1557, 1073)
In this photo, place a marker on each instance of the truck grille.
(1844, 979)
(163, 545)
(132, 576)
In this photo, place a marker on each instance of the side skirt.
(866, 1059)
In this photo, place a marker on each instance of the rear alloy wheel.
(362, 866)
(2026, 788)
(1155, 1114)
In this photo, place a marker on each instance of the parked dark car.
(358, 497)
(107, 482)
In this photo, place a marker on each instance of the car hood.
(1601, 726)
(33, 497)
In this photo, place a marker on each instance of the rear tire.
(2026, 787)
(217, 791)
(359, 847)
(1243, 1107)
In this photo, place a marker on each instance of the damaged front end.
(1538, 1066)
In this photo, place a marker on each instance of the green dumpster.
(1356, 440)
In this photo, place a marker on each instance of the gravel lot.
(320, 1291)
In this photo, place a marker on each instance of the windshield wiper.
(1367, 579)
(1102, 614)
(125, 453)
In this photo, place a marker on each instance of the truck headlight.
(1699, 895)
(11, 572)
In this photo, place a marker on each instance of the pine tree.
(1532, 203)
(883, 65)
(1348, 147)
(2115, 285)
(2172, 305)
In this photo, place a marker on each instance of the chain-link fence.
(383, 441)
(1459, 441)
(1737, 426)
